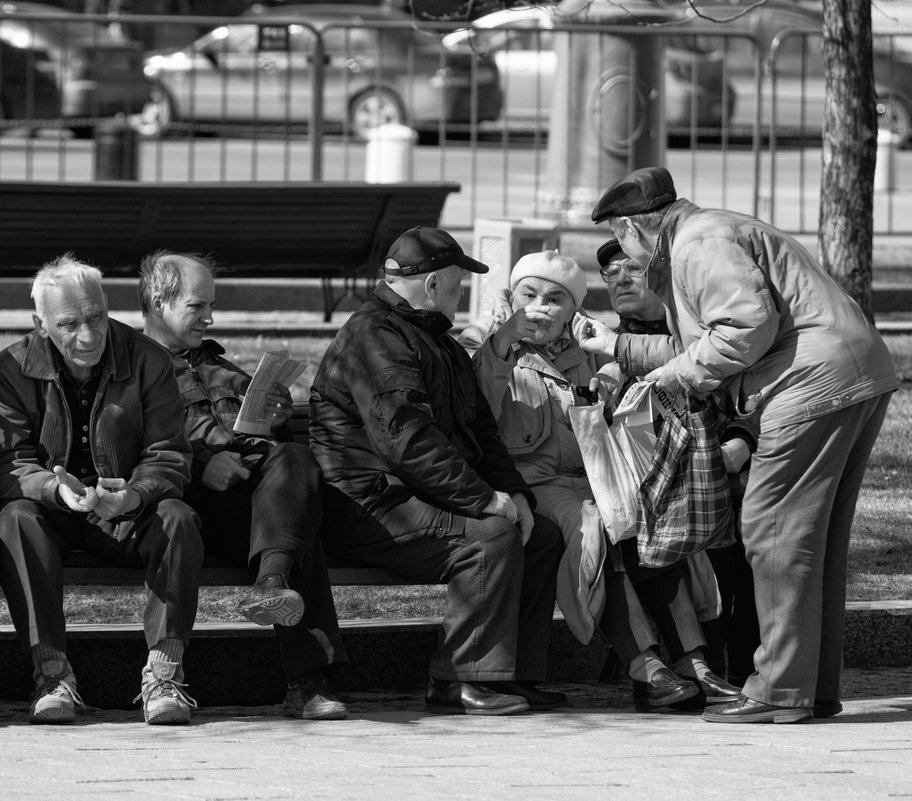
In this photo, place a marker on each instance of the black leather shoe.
(717, 690)
(469, 698)
(713, 690)
(539, 700)
(747, 710)
(826, 709)
(662, 689)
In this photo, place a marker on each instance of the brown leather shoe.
(662, 689)
(747, 710)
(539, 700)
(470, 698)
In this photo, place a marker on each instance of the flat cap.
(647, 189)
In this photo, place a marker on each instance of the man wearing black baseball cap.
(421, 484)
(762, 325)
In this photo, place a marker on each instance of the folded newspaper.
(275, 367)
(641, 404)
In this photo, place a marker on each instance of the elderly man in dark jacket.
(93, 456)
(399, 426)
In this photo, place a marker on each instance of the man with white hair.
(400, 427)
(93, 457)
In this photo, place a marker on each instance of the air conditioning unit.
(499, 243)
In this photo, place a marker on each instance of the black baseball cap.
(424, 250)
(647, 189)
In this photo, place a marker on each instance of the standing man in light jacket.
(758, 317)
(93, 456)
(400, 428)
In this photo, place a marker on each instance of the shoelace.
(63, 688)
(165, 687)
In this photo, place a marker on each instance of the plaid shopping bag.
(686, 493)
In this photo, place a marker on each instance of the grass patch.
(880, 554)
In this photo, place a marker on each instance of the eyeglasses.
(611, 273)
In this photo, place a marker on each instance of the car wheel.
(156, 115)
(374, 107)
(894, 115)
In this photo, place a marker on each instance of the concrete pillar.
(607, 118)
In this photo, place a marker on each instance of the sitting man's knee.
(16, 512)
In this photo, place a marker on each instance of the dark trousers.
(664, 595)
(280, 507)
(500, 595)
(164, 539)
(739, 629)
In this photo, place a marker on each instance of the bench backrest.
(289, 229)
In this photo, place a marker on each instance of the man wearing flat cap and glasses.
(758, 319)
(421, 484)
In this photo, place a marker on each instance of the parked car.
(799, 68)
(521, 42)
(28, 91)
(95, 73)
(378, 67)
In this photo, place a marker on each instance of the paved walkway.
(391, 748)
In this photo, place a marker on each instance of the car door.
(245, 76)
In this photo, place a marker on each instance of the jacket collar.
(528, 355)
(434, 322)
(43, 362)
(208, 349)
(659, 268)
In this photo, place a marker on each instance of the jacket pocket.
(525, 419)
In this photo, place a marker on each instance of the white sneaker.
(164, 702)
(55, 699)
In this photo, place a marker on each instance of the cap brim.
(468, 263)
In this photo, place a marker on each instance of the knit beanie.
(551, 266)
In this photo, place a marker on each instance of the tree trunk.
(845, 239)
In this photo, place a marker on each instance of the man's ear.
(39, 325)
(431, 284)
(156, 304)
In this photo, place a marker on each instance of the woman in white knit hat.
(532, 372)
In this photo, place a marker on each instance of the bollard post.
(388, 159)
(115, 150)
(885, 166)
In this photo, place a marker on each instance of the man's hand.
(520, 325)
(607, 382)
(115, 498)
(664, 378)
(501, 505)
(76, 495)
(594, 335)
(735, 454)
(525, 522)
(278, 403)
(224, 470)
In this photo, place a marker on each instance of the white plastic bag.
(614, 465)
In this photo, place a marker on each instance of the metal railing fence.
(286, 99)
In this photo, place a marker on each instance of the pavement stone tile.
(392, 748)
